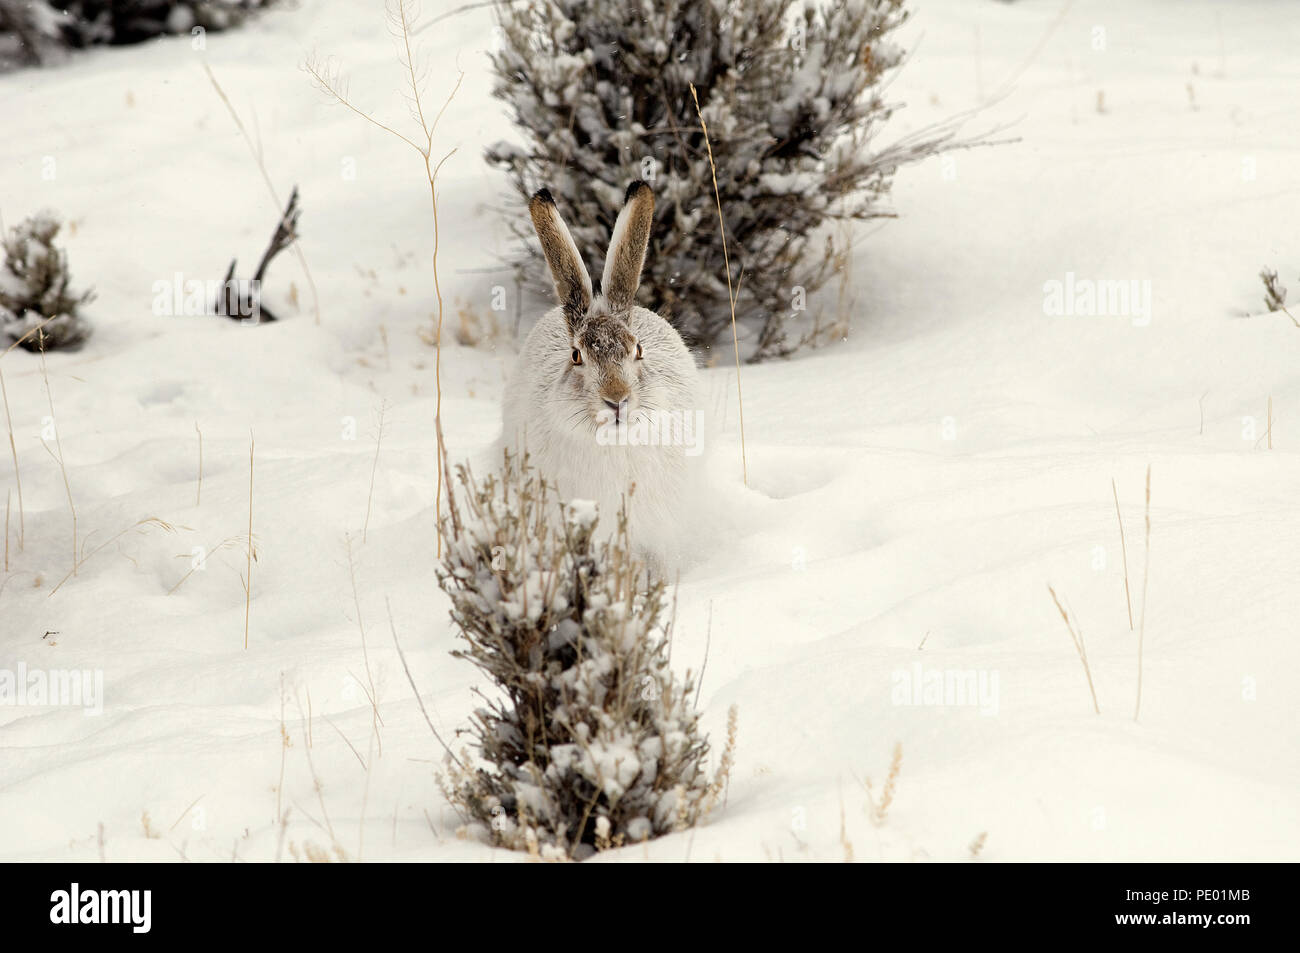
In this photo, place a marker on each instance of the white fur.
(550, 409)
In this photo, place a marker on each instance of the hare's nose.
(616, 406)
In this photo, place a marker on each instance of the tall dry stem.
(1123, 549)
(330, 82)
(1146, 573)
(726, 258)
(1076, 636)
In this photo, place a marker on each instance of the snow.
(912, 491)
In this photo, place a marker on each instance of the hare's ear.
(628, 246)
(572, 283)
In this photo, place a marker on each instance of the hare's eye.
(577, 356)
(639, 355)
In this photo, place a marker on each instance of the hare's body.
(604, 397)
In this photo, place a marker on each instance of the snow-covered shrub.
(41, 24)
(588, 741)
(34, 287)
(792, 94)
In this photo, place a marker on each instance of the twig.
(233, 303)
(257, 156)
(735, 342)
(463, 8)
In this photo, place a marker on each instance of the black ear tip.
(634, 189)
(543, 195)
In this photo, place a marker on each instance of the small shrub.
(39, 26)
(793, 97)
(589, 742)
(34, 288)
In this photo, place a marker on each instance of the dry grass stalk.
(1269, 425)
(18, 479)
(228, 541)
(198, 493)
(1076, 636)
(186, 812)
(351, 747)
(58, 443)
(330, 82)
(85, 557)
(248, 576)
(880, 809)
(735, 342)
(1123, 549)
(1142, 619)
(13, 447)
(374, 468)
(8, 494)
(375, 720)
(844, 834)
(319, 788)
(31, 332)
(418, 700)
(722, 777)
(256, 150)
(285, 744)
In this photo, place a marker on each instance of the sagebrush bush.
(34, 288)
(42, 25)
(792, 96)
(588, 740)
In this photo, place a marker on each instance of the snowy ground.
(912, 491)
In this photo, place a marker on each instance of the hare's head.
(609, 349)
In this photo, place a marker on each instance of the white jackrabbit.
(605, 394)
